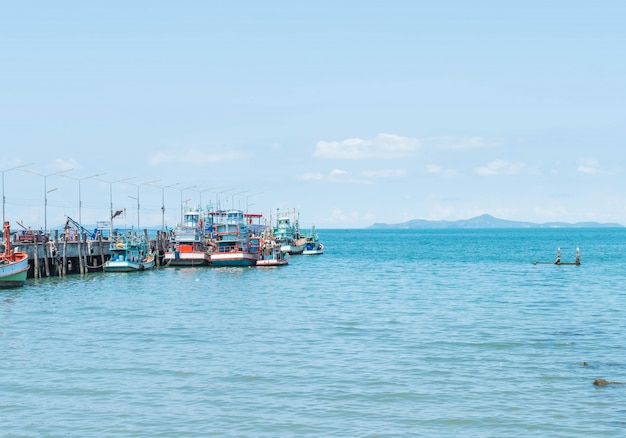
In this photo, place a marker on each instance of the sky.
(350, 112)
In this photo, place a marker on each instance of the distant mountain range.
(488, 221)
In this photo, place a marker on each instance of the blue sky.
(353, 112)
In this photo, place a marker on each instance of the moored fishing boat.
(287, 233)
(129, 252)
(312, 245)
(271, 254)
(235, 244)
(190, 246)
(13, 264)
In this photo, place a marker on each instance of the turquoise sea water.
(390, 333)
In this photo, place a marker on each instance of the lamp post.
(3, 172)
(45, 227)
(217, 194)
(200, 193)
(137, 198)
(110, 183)
(45, 192)
(163, 202)
(232, 198)
(80, 202)
(181, 200)
(204, 215)
(249, 196)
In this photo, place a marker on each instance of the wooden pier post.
(64, 255)
(55, 255)
(101, 250)
(36, 272)
(158, 252)
(85, 246)
(79, 249)
(45, 246)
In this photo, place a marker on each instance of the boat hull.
(292, 249)
(316, 250)
(13, 273)
(233, 259)
(128, 266)
(313, 252)
(187, 258)
(272, 262)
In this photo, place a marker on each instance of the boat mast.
(8, 253)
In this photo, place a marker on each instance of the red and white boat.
(190, 244)
(235, 244)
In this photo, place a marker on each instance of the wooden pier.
(54, 257)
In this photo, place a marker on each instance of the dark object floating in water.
(558, 259)
(602, 382)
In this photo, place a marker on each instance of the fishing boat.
(13, 264)
(271, 254)
(287, 233)
(129, 252)
(190, 246)
(312, 245)
(235, 244)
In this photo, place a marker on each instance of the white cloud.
(334, 176)
(338, 215)
(433, 168)
(588, 167)
(313, 176)
(438, 170)
(382, 146)
(384, 173)
(61, 164)
(470, 142)
(500, 167)
(337, 172)
(194, 156)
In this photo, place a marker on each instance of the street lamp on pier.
(110, 183)
(163, 202)
(249, 196)
(80, 202)
(137, 198)
(46, 191)
(3, 172)
(181, 199)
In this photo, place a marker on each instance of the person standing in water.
(558, 257)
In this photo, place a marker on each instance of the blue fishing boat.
(313, 246)
(129, 252)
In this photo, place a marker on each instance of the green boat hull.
(13, 280)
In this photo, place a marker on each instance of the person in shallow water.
(558, 257)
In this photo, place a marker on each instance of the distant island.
(488, 221)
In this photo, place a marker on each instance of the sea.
(389, 333)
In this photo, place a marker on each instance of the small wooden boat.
(13, 264)
(312, 245)
(272, 255)
(129, 253)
